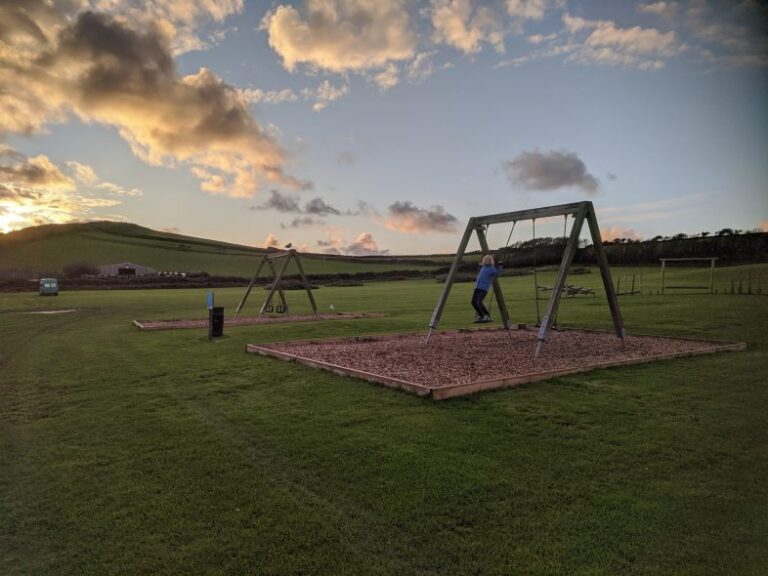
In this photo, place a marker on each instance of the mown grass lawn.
(124, 452)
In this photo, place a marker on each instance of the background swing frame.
(276, 286)
(581, 212)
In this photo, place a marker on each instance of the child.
(488, 271)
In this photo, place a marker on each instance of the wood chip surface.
(464, 356)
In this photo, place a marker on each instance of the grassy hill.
(50, 247)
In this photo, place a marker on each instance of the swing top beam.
(532, 214)
(278, 255)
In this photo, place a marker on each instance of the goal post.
(710, 287)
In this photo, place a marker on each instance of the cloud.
(531, 9)
(405, 217)
(732, 34)
(258, 96)
(35, 191)
(607, 44)
(617, 232)
(635, 40)
(83, 173)
(34, 173)
(102, 70)
(86, 175)
(541, 38)
(324, 94)
(270, 241)
(290, 203)
(456, 23)
(364, 209)
(666, 10)
(281, 202)
(321, 95)
(363, 245)
(301, 223)
(318, 207)
(421, 67)
(186, 24)
(341, 35)
(387, 78)
(763, 226)
(604, 43)
(549, 171)
(574, 24)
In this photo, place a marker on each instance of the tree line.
(729, 246)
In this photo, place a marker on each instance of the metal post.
(663, 265)
(712, 276)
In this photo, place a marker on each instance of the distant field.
(52, 248)
(162, 453)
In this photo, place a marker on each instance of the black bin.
(215, 322)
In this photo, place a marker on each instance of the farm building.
(126, 269)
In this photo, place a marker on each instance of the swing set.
(282, 308)
(581, 212)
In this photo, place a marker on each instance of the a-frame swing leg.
(602, 261)
(557, 289)
(306, 283)
(276, 283)
(279, 287)
(496, 287)
(438, 311)
(250, 286)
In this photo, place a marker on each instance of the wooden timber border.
(466, 388)
(196, 323)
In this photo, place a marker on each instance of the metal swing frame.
(267, 259)
(581, 212)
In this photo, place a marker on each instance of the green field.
(51, 248)
(123, 452)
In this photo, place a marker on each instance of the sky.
(381, 126)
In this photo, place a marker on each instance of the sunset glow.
(330, 122)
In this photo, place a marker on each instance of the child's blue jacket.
(485, 277)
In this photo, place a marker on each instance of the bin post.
(215, 322)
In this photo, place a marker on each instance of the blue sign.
(210, 300)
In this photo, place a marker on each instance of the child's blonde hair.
(487, 260)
